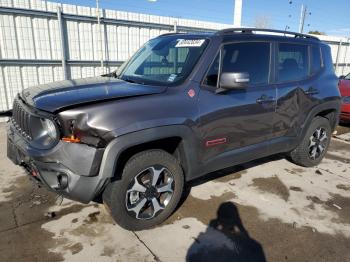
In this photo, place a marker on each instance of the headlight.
(44, 132)
(346, 99)
(49, 128)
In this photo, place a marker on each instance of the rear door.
(237, 118)
(292, 70)
(311, 86)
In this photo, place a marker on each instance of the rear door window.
(293, 62)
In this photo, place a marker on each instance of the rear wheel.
(148, 192)
(313, 147)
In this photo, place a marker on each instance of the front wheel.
(148, 192)
(314, 145)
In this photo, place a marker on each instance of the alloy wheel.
(318, 143)
(150, 192)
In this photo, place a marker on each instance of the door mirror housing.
(341, 77)
(229, 81)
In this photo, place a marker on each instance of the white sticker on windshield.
(190, 42)
(172, 77)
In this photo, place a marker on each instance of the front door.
(237, 119)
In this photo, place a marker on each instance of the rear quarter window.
(316, 59)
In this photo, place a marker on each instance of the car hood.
(59, 95)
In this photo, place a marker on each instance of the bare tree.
(262, 21)
(316, 32)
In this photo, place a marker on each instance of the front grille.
(21, 119)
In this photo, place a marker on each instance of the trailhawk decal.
(190, 42)
(214, 142)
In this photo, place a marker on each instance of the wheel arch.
(169, 144)
(179, 140)
(329, 110)
(332, 115)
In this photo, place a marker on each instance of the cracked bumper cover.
(78, 163)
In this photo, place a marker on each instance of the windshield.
(164, 60)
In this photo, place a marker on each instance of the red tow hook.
(34, 173)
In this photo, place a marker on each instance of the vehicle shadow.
(343, 127)
(233, 169)
(224, 172)
(225, 239)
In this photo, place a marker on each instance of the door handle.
(311, 91)
(265, 99)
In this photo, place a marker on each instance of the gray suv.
(183, 106)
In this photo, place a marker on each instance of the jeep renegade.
(182, 106)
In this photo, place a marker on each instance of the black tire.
(117, 199)
(302, 154)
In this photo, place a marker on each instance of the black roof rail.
(187, 33)
(250, 30)
(170, 33)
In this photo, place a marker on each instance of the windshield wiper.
(112, 74)
(129, 80)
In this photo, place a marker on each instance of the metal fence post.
(63, 43)
(337, 57)
(346, 63)
(175, 26)
(8, 106)
(344, 60)
(99, 35)
(105, 42)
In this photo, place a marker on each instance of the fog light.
(62, 180)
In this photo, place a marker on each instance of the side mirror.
(341, 77)
(230, 81)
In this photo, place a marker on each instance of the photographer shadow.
(225, 239)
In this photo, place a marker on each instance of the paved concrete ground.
(268, 209)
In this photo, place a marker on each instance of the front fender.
(141, 126)
(189, 144)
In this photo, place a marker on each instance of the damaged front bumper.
(69, 169)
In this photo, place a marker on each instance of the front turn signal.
(71, 139)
